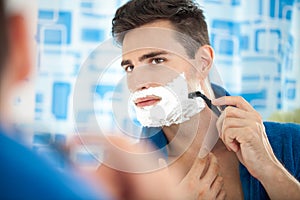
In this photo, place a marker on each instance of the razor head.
(214, 108)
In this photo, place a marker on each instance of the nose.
(147, 86)
(142, 77)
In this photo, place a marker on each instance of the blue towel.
(25, 175)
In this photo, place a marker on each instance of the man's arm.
(280, 184)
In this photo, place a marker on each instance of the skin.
(17, 64)
(240, 127)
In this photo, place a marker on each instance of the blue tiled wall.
(256, 45)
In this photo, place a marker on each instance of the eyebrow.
(144, 57)
(125, 62)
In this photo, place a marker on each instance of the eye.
(129, 68)
(156, 61)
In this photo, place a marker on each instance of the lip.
(147, 101)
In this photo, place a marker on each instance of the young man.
(165, 41)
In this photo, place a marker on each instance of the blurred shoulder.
(279, 129)
(284, 137)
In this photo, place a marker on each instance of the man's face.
(153, 57)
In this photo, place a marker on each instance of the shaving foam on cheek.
(174, 107)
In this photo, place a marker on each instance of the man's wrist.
(273, 171)
(279, 183)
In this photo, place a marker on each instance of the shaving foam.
(174, 107)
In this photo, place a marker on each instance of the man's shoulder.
(284, 139)
(283, 134)
(277, 129)
(22, 171)
(21, 166)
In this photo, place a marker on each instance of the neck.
(186, 139)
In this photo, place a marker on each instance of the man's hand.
(126, 170)
(203, 181)
(242, 131)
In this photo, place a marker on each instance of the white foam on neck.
(174, 107)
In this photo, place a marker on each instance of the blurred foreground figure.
(25, 175)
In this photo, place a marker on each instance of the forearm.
(280, 184)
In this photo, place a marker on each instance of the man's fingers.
(235, 112)
(218, 189)
(212, 182)
(198, 167)
(235, 136)
(236, 101)
(221, 195)
(217, 185)
(212, 171)
(225, 126)
(232, 112)
(206, 186)
(237, 123)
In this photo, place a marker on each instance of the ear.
(204, 59)
(19, 62)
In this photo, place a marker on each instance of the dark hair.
(185, 15)
(3, 35)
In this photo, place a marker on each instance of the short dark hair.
(3, 36)
(185, 15)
